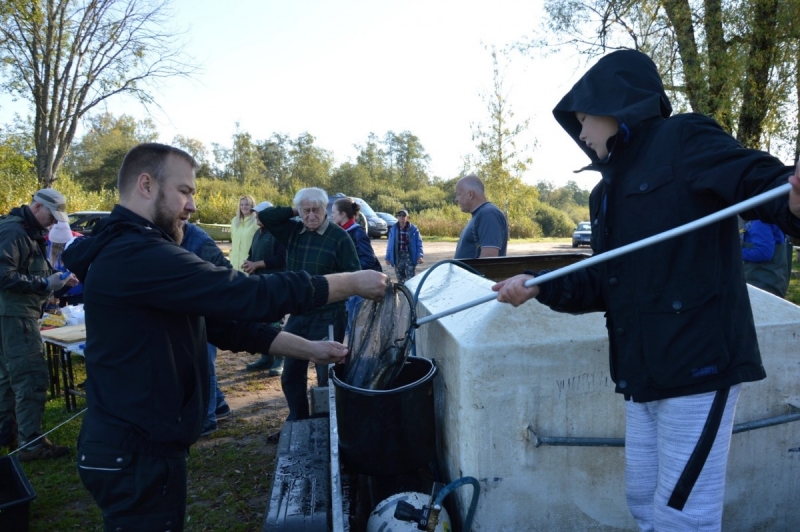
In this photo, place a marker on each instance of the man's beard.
(169, 223)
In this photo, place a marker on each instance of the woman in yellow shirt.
(243, 227)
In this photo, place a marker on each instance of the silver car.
(582, 234)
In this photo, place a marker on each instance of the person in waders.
(680, 326)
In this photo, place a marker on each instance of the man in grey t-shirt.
(486, 234)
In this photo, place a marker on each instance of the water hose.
(607, 255)
(436, 505)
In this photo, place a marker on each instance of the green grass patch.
(230, 474)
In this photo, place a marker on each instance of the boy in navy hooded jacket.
(680, 326)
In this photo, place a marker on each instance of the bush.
(217, 200)
(524, 228)
(554, 223)
(446, 221)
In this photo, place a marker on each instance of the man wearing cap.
(404, 249)
(26, 281)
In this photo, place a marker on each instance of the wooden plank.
(67, 335)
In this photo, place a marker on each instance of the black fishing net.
(380, 337)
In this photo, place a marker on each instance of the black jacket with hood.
(678, 313)
(150, 308)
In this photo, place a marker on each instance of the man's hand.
(794, 194)
(514, 291)
(250, 266)
(325, 352)
(420, 261)
(368, 284)
(320, 352)
(71, 280)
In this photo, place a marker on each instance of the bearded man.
(151, 307)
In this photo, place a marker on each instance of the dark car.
(582, 234)
(376, 226)
(83, 222)
(388, 218)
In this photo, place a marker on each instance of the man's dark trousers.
(311, 326)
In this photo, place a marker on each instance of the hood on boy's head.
(623, 84)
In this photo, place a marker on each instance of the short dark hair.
(148, 158)
(348, 207)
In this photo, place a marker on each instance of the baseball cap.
(54, 201)
(403, 212)
(261, 206)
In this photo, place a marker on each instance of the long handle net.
(380, 337)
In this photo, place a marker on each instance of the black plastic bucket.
(388, 432)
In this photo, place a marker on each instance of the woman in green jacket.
(243, 227)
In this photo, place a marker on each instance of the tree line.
(390, 172)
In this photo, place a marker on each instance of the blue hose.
(476, 490)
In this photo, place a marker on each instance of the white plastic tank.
(382, 518)
(510, 378)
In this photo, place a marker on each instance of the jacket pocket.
(99, 457)
(683, 339)
(652, 200)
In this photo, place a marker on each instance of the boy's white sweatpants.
(660, 436)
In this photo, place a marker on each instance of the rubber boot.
(265, 362)
(277, 367)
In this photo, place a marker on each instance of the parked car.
(389, 219)
(582, 234)
(376, 226)
(219, 232)
(84, 221)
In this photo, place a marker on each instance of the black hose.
(414, 325)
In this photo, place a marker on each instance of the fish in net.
(380, 337)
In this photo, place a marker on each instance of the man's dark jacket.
(678, 313)
(23, 264)
(146, 299)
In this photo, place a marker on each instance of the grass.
(230, 474)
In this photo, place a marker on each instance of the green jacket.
(23, 265)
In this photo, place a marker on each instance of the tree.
(311, 165)
(67, 56)
(274, 155)
(17, 178)
(242, 161)
(96, 159)
(406, 160)
(196, 149)
(734, 61)
(501, 163)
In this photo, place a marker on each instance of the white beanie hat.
(261, 206)
(60, 233)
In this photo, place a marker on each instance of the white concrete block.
(507, 374)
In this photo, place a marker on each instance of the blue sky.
(340, 70)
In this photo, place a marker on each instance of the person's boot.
(265, 362)
(277, 367)
(43, 448)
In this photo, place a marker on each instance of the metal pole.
(602, 257)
